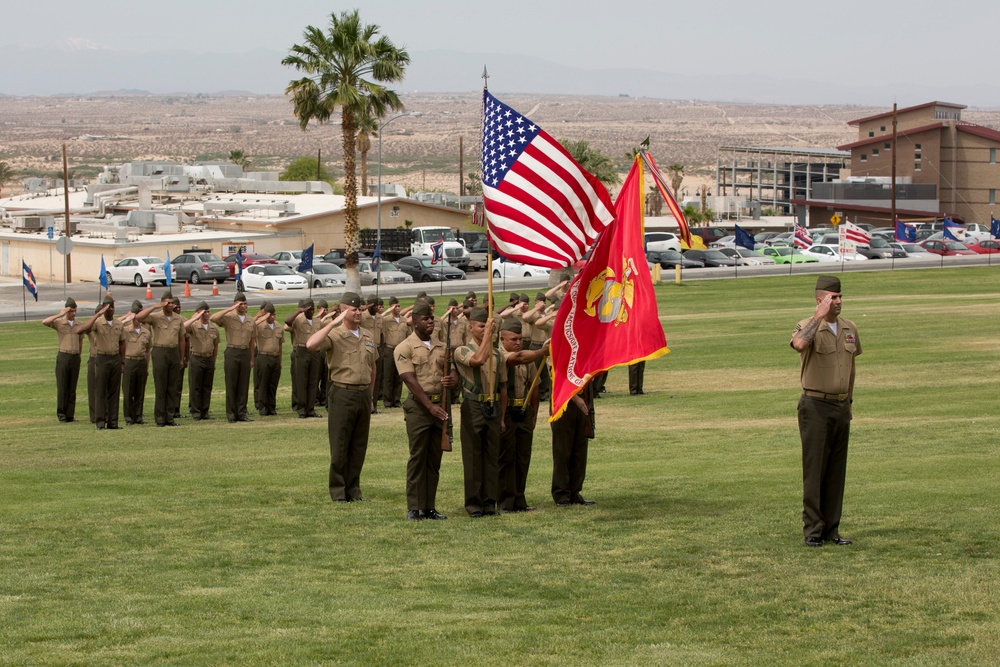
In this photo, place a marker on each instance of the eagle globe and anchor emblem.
(610, 299)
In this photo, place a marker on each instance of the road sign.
(52, 233)
(64, 245)
(835, 219)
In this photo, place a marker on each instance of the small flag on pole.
(953, 231)
(744, 239)
(104, 274)
(29, 280)
(168, 270)
(994, 227)
(377, 256)
(905, 233)
(239, 263)
(437, 251)
(802, 238)
(306, 259)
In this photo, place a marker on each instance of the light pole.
(378, 233)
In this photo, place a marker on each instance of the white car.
(325, 275)
(660, 241)
(388, 273)
(137, 271)
(913, 250)
(831, 253)
(272, 277)
(507, 269)
(292, 258)
(724, 242)
(746, 257)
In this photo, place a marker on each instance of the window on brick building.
(874, 152)
(871, 133)
(888, 145)
(864, 157)
(993, 156)
(916, 166)
(993, 196)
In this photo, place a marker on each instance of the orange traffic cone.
(149, 291)
(187, 289)
(215, 288)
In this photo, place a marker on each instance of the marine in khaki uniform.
(420, 361)
(91, 373)
(204, 353)
(138, 346)
(395, 329)
(540, 330)
(67, 360)
(371, 319)
(168, 356)
(239, 356)
(519, 417)
(484, 390)
(324, 316)
(270, 341)
(302, 324)
(351, 355)
(827, 345)
(109, 343)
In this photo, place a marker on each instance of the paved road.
(86, 294)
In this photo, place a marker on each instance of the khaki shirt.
(374, 324)
(203, 339)
(469, 373)
(108, 335)
(538, 334)
(238, 333)
(302, 329)
(394, 332)
(413, 356)
(827, 363)
(439, 328)
(460, 330)
(458, 338)
(166, 331)
(69, 339)
(138, 343)
(269, 338)
(519, 374)
(351, 359)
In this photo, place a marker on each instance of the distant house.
(944, 167)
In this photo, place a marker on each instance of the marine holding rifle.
(422, 363)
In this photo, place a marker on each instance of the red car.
(984, 247)
(944, 247)
(249, 259)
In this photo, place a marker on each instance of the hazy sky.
(846, 42)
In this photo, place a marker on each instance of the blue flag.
(377, 256)
(239, 262)
(306, 260)
(906, 233)
(29, 280)
(950, 229)
(437, 251)
(743, 238)
(994, 227)
(168, 270)
(104, 274)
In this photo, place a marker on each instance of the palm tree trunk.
(352, 242)
(364, 172)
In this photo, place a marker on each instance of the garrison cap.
(167, 296)
(479, 315)
(421, 309)
(515, 297)
(452, 303)
(372, 300)
(264, 304)
(429, 299)
(525, 298)
(470, 295)
(511, 324)
(269, 308)
(540, 296)
(421, 294)
(351, 299)
(323, 304)
(136, 306)
(109, 301)
(240, 296)
(202, 306)
(306, 304)
(393, 300)
(379, 301)
(468, 303)
(176, 301)
(828, 283)
(70, 303)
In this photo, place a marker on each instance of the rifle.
(446, 436)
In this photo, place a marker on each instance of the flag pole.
(24, 300)
(490, 370)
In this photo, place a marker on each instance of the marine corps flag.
(609, 316)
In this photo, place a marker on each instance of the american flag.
(543, 208)
(802, 238)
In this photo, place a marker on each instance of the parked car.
(333, 255)
(878, 248)
(724, 242)
(831, 253)
(325, 275)
(788, 256)
(389, 273)
(914, 250)
(746, 257)
(662, 241)
(781, 239)
(421, 270)
(977, 232)
(508, 269)
(292, 258)
(984, 247)
(478, 254)
(710, 257)
(272, 277)
(669, 259)
(942, 247)
(136, 270)
(709, 235)
(249, 259)
(760, 240)
(200, 267)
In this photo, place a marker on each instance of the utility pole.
(461, 169)
(69, 231)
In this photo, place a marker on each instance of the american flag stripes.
(851, 235)
(543, 208)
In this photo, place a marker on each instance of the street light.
(378, 234)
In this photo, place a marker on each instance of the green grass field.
(217, 543)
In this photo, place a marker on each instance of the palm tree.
(367, 127)
(593, 160)
(345, 67)
(7, 174)
(237, 156)
(676, 171)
